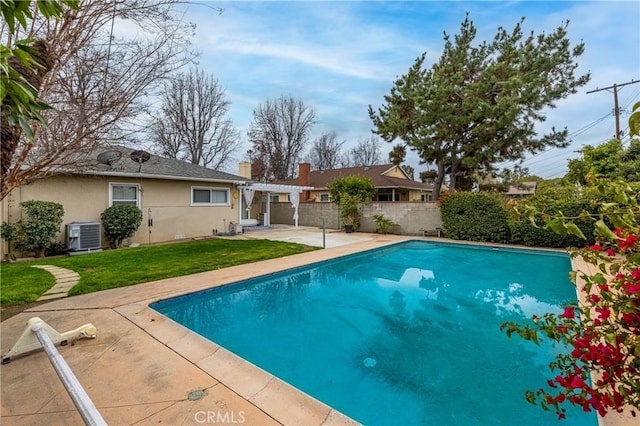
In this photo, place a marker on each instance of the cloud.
(340, 57)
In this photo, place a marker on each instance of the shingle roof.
(155, 168)
(523, 188)
(321, 179)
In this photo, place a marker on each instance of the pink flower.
(594, 298)
(596, 247)
(603, 313)
(569, 312)
(611, 252)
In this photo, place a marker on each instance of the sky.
(339, 57)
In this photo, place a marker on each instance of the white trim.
(272, 187)
(210, 189)
(138, 192)
(167, 177)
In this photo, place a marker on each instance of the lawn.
(20, 283)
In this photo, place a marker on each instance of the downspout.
(240, 198)
(240, 201)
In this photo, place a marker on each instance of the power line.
(570, 136)
(616, 109)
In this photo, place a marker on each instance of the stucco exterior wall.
(396, 172)
(412, 218)
(168, 202)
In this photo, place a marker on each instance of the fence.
(411, 218)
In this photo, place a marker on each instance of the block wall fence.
(412, 218)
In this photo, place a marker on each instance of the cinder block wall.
(411, 217)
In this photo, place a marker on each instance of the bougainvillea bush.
(601, 369)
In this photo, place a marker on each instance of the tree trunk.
(437, 184)
(10, 135)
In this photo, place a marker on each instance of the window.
(274, 198)
(209, 196)
(324, 198)
(425, 197)
(123, 194)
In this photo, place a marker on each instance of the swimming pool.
(407, 334)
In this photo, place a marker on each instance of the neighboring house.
(178, 199)
(392, 183)
(522, 190)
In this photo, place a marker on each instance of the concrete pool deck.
(143, 368)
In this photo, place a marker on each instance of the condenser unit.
(83, 236)
(235, 228)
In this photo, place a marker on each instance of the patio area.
(145, 369)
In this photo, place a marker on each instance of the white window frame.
(114, 184)
(210, 189)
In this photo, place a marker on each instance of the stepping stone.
(65, 280)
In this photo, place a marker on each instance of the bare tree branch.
(325, 152)
(368, 152)
(99, 84)
(194, 124)
(279, 131)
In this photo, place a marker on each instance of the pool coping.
(265, 392)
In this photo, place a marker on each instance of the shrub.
(36, 232)
(351, 192)
(603, 331)
(475, 216)
(120, 222)
(382, 223)
(561, 201)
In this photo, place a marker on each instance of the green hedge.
(475, 216)
(483, 216)
(523, 232)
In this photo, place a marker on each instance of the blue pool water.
(405, 335)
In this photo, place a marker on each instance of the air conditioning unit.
(83, 237)
(235, 228)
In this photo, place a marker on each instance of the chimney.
(304, 170)
(245, 169)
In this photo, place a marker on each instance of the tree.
(428, 176)
(325, 152)
(367, 152)
(279, 132)
(397, 154)
(194, 125)
(409, 170)
(24, 63)
(97, 83)
(351, 193)
(479, 104)
(610, 160)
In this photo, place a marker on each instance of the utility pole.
(616, 110)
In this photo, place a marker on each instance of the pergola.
(294, 191)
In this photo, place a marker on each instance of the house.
(178, 200)
(392, 183)
(522, 190)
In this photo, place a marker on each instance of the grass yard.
(20, 283)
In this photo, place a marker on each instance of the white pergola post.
(287, 189)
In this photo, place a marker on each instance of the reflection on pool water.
(405, 335)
